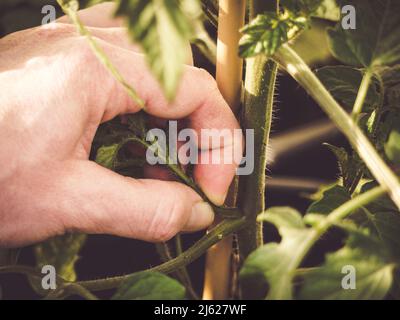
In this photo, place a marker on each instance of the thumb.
(149, 210)
(82, 196)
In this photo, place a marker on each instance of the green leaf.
(147, 285)
(392, 146)
(384, 218)
(110, 139)
(273, 265)
(117, 130)
(62, 252)
(276, 264)
(267, 32)
(331, 199)
(328, 10)
(391, 81)
(349, 165)
(373, 272)
(163, 28)
(387, 123)
(107, 155)
(376, 39)
(137, 124)
(285, 217)
(344, 82)
(305, 7)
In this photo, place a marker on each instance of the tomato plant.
(249, 41)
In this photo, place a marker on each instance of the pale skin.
(54, 95)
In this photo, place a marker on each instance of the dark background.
(107, 256)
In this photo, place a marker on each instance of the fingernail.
(217, 199)
(201, 217)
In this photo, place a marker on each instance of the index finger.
(197, 99)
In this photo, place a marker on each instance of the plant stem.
(259, 85)
(73, 288)
(337, 215)
(184, 274)
(259, 98)
(216, 234)
(361, 95)
(181, 274)
(229, 64)
(71, 9)
(300, 71)
(64, 289)
(28, 271)
(206, 45)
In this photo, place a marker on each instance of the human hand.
(55, 94)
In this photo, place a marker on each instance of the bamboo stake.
(229, 64)
(229, 78)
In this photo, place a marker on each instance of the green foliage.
(267, 32)
(163, 28)
(150, 286)
(343, 83)
(331, 199)
(392, 146)
(391, 82)
(83, 3)
(375, 41)
(328, 10)
(107, 155)
(350, 166)
(62, 252)
(383, 219)
(302, 7)
(373, 273)
(276, 263)
(114, 135)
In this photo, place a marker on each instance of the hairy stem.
(222, 230)
(300, 71)
(259, 98)
(73, 288)
(218, 233)
(184, 274)
(181, 274)
(362, 94)
(259, 95)
(206, 45)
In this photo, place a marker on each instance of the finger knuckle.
(170, 219)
